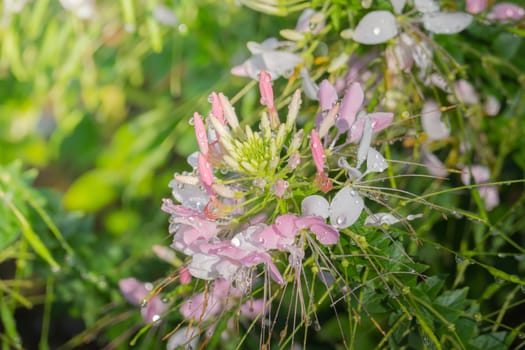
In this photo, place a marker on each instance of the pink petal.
(184, 275)
(253, 308)
(153, 310)
(380, 120)
(285, 225)
(490, 196)
(265, 87)
(475, 6)
(479, 173)
(327, 95)
(466, 93)
(205, 173)
(351, 103)
(216, 107)
(133, 290)
(200, 133)
(317, 151)
(506, 10)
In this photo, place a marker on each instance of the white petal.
(446, 23)
(426, 6)
(315, 205)
(364, 145)
(431, 121)
(203, 266)
(375, 27)
(375, 162)
(187, 336)
(398, 5)
(280, 63)
(346, 207)
(353, 173)
(379, 219)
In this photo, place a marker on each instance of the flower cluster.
(238, 216)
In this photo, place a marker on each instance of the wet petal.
(351, 103)
(133, 290)
(379, 219)
(375, 27)
(325, 234)
(317, 151)
(203, 266)
(315, 205)
(364, 145)
(431, 121)
(285, 225)
(375, 162)
(426, 6)
(200, 133)
(446, 23)
(346, 207)
(380, 120)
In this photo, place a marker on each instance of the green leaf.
(92, 191)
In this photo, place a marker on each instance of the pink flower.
(481, 174)
(476, 6)
(136, 293)
(349, 120)
(220, 298)
(506, 11)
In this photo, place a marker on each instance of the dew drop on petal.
(236, 242)
(345, 206)
(375, 27)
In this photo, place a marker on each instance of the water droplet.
(144, 303)
(340, 220)
(155, 318)
(459, 259)
(191, 121)
(376, 30)
(210, 98)
(165, 300)
(235, 242)
(353, 193)
(317, 326)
